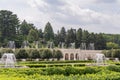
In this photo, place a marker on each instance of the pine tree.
(48, 32)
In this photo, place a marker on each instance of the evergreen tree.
(78, 38)
(9, 23)
(25, 28)
(48, 32)
(40, 33)
(33, 35)
(62, 34)
(57, 39)
(85, 36)
(100, 42)
(91, 38)
(70, 37)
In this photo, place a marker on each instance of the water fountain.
(63, 45)
(59, 45)
(8, 60)
(11, 44)
(50, 45)
(91, 46)
(83, 46)
(72, 45)
(25, 44)
(36, 44)
(100, 59)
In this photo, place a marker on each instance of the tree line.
(11, 29)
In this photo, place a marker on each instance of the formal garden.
(37, 56)
(31, 64)
(63, 70)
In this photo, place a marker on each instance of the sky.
(92, 15)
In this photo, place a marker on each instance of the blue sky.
(92, 15)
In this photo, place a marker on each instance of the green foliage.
(40, 33)
(70, 37)
(100, 42)
(12, 30)
(78, 38)
(18, 40)
(85, 36)
(36, 65)
(58, 54)
(62, 35)
(114, 53)
(90, 70)
(47, 54)
(79, 65)
(53, 65)
(32, 36)
(22, 54)
(8, 25)
(57, 62)
(70, 70)
(66, 73)
(6, 50)
(34, 54)
(107, 53)
(115, 38)
(113, 68)
(48, 32)
(111, 45)
(56, 71)
(25, 28)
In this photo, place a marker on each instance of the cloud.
(74, 14)
(106, 1)
(93, 15)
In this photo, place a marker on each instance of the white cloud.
(71, 13)
(88, 14)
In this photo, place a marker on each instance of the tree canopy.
(48, 32)
(9, 23)
(12, 30)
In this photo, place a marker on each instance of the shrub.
(55, 62)
(117, 63)
(47, 54)
(52, 71)
(22, 54)
(78, 65)
(71, 70)
(34, 54)
(6, 50)
(58, 54)
(36, 65)
(113, 68)
(90, 70)
(114, 53)
(47, 65)
(41, 52)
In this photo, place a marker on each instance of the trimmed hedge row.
(53, 65)
(57, 73)
(117, 63)
(55, 62)
(32, 53)
(114, 68)
(51, 71)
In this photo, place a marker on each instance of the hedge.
(56, 62)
